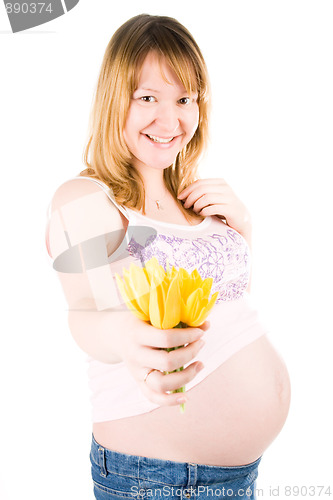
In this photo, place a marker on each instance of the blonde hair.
(110, 158)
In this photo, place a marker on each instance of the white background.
(270, 64)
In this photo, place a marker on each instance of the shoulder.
(83, 194)
(80, 210)
(74, 189)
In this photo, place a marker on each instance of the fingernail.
(199, 367)
(181, 400)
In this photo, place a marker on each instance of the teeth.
(159, 139)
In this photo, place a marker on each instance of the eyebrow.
(148, 90)
(158, 91)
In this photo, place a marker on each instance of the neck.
(153, 179)
(156, 192)
(156, 199)
(155, 189)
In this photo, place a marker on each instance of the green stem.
(180, 389)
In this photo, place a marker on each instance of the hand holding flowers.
(172, 299)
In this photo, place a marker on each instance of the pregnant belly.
(230, 419)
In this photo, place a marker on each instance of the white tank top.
(216, 251)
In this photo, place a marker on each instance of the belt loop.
(101, 456)
(191, 480)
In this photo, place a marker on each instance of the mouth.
(160, 140)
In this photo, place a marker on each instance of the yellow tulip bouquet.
(167, 299)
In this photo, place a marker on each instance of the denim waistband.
(182, 474)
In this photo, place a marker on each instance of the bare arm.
(100, 325)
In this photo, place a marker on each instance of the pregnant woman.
(140, 198)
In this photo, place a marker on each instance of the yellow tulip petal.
(199, 303)
(140, 287)
(212, 300)
(206, 286)
(190, 307)
(121, 287)
(186, 288)
(132, 299)
(199, 311)
(195, 274)
(125, 291)
(154, 268)
(172, 305)
(130, 302)
(137, 313)
(183, 273)
(173, 273)
(147, 275)
(152, 262)
(125, 272)
(198, 281)
(156, 303)
(194, 298)
(128, 289)
(182, 309)
(205, 312)
(195, 281)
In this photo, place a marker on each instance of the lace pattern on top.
(225, 258)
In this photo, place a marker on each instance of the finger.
(205, 326)
(223, 209)
(161, 383)
(203, 193)
(206, 181)
(199, 184)
(216, 209)
(208, 199)
(203, 184)
(167, 361)
(172, 337)
(163, 399)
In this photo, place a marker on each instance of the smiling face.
(162, 116)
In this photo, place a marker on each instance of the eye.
(148, 98)
(185, 100)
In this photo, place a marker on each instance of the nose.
(167, 118)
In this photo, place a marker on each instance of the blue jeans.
(120, 476)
